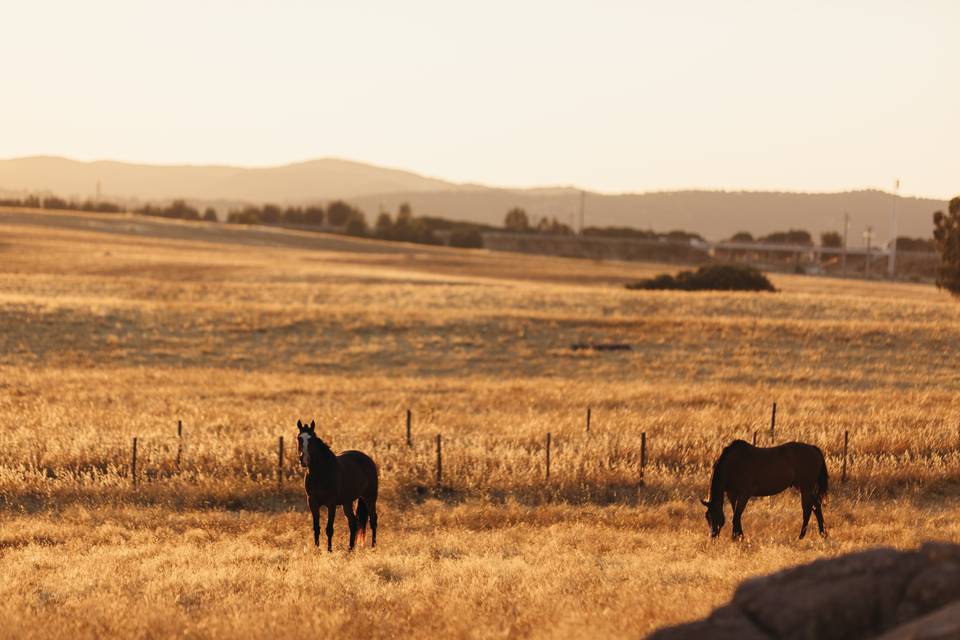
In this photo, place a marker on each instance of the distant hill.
(304, 181)
(713, 214)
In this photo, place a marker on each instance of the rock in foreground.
(861, 595)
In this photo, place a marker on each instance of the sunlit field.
(118, 327)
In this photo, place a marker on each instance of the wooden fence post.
(843, 472)
(588, 419)
(133, 462)
(439, 460)
(280, 462)
(179, 442)
(548, 455)
(643, 456)
(773, 422)
(409, 433)
(754, 438)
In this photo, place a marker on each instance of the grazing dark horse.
(743, 471)
(333, 481)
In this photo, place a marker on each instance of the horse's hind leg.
(806, 500)
(372, 506)
(351, 521)
(362, 521)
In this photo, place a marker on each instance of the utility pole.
(846, 229)
(583, 198)
(892, 263)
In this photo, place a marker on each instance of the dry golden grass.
(115, 327)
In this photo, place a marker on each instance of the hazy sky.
(612, 96)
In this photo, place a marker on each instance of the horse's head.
(715, 518)
(305, 435)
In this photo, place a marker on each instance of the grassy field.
(114, 327)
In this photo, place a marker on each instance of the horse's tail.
(362, 515)
(822, 479)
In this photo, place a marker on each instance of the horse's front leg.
(737, 512)
(818, 511)
(315, 512)
(331, 510)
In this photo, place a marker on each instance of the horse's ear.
(299, 425)
(704, 502)
(313, 425)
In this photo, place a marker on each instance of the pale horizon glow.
(607, 96)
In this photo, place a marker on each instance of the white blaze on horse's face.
(304, 449)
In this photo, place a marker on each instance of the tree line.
(176, 209)
(403, 226)
(828, 239)
(52, 202)
(338, 216)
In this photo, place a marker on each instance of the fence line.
(136, 452)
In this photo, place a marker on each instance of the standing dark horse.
(334, 480)
(743, 471)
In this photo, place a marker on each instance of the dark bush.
(717, 277)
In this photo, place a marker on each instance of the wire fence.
(468, 459)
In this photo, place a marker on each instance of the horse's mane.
(716, 480)
(325, 449)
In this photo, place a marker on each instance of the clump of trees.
(55, 203)
(274, 214)
(405, 227)
(946, 237)
(176, 209)
(800, 237)
(338, 214)
(793, 236)
(553, 227)
(516, 220)
(831, 239)
(716, 277)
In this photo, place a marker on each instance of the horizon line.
(570, 187)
